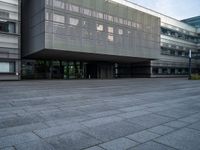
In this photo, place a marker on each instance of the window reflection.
(73, 21)
(110, 29)
(6, 26)
(59, 4)
(99, 27)
(120, 31)
(110, 37)
(58, 18)
(73, 8)
(6, 67)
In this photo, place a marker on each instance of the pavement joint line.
(165, 145)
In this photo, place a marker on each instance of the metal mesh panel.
(134, 34)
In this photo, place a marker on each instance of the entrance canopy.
(67, 55)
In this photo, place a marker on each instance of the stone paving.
(126, 114)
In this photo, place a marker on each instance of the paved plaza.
(126, 114)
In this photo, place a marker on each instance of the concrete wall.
(33, 26)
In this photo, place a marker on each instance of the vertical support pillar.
(190, 65)
(50, 69)
(116, 71)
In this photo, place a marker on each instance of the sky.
(178, 9)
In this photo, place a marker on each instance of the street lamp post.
(190, 65)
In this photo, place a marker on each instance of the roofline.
(190, 18)
(157, 13)
(151, 10)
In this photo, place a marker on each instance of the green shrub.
(195, 77)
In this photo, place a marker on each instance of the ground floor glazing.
(57, 69)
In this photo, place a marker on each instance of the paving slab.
(195, 126)
(101, 121)
(150, 120)
(184, 139)
(162, 130)
(17, 139)
(21, 129)
(119, 144)
(112, 131)
(134, 114)
(73, 141)
(35, 145)
(48, 132)
(176, 124)
(143, 136)
(152, 146)
(175, 113)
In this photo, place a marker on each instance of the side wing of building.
(10, 51)
(177, 38)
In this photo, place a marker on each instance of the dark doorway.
(91, 69)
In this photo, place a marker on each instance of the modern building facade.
(176, 39)
(10, 52)
(89, 39)
(194, 21)
(73, 39)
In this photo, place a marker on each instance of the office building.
(10, 52)
(194, 21)
(81, 39)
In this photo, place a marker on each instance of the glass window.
(129, 23)
(99, 27)
(47, 2)
(164, 71)
(58, 18)
(8, 15)
(159, 70)
(47, 15)
(110, 18)
(110, 29)
(116, 19)
(100, 15)
(59, 4)
(180, 53)
(139, 26)
(73, 21)
(6, 26)
(125, 22)
(6, 67)
(134, 24)
(73, 8)
(8, 7)
(120, 31)
(87, 12)
(120, 20)
(4, 14)
(110, 38)
(11, 1)
(165, 51)
(85, 24)
(155, 71)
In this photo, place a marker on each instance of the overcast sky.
(179, 9)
